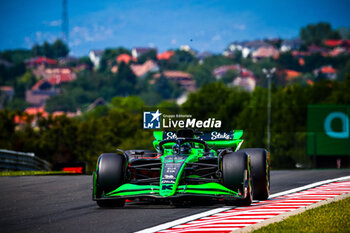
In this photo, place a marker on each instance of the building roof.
(255, 44)
(142, 69)
(292, 42)
(221, 70)
(328, 70)
(337, 51)
(290, 74)
(203, 55)
(301, 53)
(6, 88)
(183, 79)
(138, 51)
(166, 55)
(35, 111)
(38, 85)
(247, 83)
(124, 57)
(335, 43)
(316, 49)
(57, 79)
(54, 76)
(97, 52)
(264, 52)
(40, 60)
(332, 43)
(174, 74)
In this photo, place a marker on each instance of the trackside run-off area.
(237, 218)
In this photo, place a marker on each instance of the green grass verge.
(333, 217)
(32, 173)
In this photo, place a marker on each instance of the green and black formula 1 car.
(186, 164)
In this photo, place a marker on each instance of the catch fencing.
(21, 161)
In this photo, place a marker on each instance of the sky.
(207, 25)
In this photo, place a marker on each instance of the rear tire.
(260, 172)
(236, 176)
(110, 175)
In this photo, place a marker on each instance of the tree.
(201, 73)
(109, 55)
(288, 61)
(59, 49)
(163, 87)
(47, 50)
(61, 103)
(344, 33)
(7, 129)
(316, 33)
(150, 55)
(130, 103)
(229, 76)
(179, 61)
(56, 50)
(125, 81)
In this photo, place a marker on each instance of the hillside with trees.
(93, 109)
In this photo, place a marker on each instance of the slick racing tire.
(110, 175)
(260, 172)
(236, 176)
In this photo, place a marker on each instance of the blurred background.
(75, 76)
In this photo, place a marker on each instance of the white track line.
(218, 210)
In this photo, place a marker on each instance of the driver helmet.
(185, 148)
(176, 149)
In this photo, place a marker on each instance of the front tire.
(237, 176)
(110, 175)
(260, 172)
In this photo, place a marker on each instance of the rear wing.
(214, 139)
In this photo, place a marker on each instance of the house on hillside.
(166, 55)
(136, 52)
(40, 92)
(265, 52)
(202, 56)
(291, 74)
(245, 83)
(184, 80)
(317, 49)
(40, 61)
(247, 47)
(326, 71)
(61, 74)
(219, 72)
(291, 45)
(141, 70)
(124, 57)
(65, 61)
(8, 91)
(337, 43)
(34, 112)
(95, 57)
(222, 70)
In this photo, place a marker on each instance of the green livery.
(185, 165)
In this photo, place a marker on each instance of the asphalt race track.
(63, 204)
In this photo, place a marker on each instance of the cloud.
(239, 26)
(216, 37)
(173, 41)
(53, 23)
(39, 37)
(96, 32)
